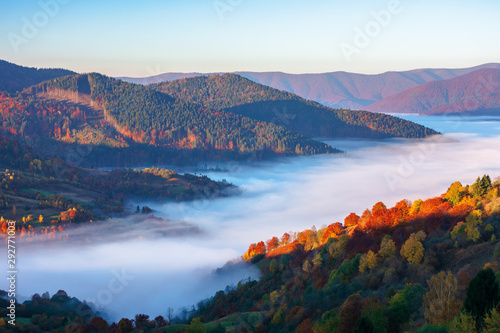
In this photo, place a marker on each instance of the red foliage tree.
(351, 220)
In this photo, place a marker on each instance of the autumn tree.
(351, 220)
(455, 193)
(350, 312)
(472, 221)
(413, 249)
(285, 239)
(415, 207)
(387, 248)
(492, 322)
(317, 260)
(337, 247)
(272, 243)
(463, 323)
(196, 326)
(160, 322)
(367, 261)
(441, 303)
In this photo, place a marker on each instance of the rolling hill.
(234, 94)
(477, 92)
(114, 123)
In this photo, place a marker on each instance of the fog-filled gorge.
(146, 264)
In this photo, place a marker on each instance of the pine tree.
(483, 294)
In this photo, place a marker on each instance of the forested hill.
(428, 266)
(235, 94)
(15, 78)
(143, 116)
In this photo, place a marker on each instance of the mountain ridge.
(476, 92)
(236, 94)
(337, 89)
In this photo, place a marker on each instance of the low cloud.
(172, 257)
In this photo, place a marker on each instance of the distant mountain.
(337, 89)
(161, 77)
(235, 94)
(475, 92)
(16, 78)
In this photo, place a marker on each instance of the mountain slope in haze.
(354, 91)
(337, 89)
(116, 123)
(476, 92)
(235, 94)
(16, 78)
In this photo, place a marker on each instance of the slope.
(375, 271)
(119, 123)
(235, 94)
(476, 92)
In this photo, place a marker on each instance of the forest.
(31, 187)
(429, 265)
(149, 117)
(235, 94)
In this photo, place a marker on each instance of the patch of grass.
(34, 191)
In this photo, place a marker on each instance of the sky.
(144, 38)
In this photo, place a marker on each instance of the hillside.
(477, 92)
(48, 194)
(118, 124)
(428, 266)
(378, 271)
(15, 78)
(235, 94)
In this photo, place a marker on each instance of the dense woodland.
(431, 266)
(235, 94)
(184, 122)
(427, 266)
(150, 117)
(31, 187)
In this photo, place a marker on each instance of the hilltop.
(234, 94)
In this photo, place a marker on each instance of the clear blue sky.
(142, 38)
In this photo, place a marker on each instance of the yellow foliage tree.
(367, 261)
(441, 304)
(463, 323)
(413, 249)
(387, 248)
(492, 322)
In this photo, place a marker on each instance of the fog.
(146, 264)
